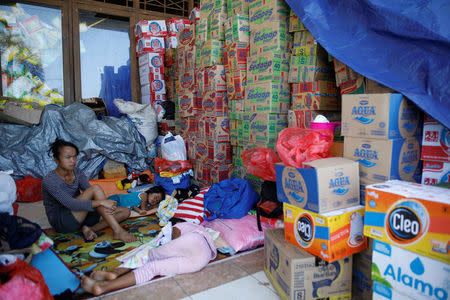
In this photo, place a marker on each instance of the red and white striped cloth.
(192, 210)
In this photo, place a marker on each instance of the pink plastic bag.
(298, 145)
(261, 162)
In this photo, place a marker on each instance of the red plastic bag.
(174, 166)
(29, 189)
(26, 282)
(298, 145)
(261, 162)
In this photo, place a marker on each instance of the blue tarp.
(404, 45)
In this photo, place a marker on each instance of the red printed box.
(215, 104)
(146, 28)
(202, 173)
(219, 172)
(150, 44)
(435, 172)
(186, 36)
(186, 103)
(187, 81)
(215, 78)
(219, 153)
(155, 60)
(436, 141)
(201, 149)
(175, 25)
(217, 129)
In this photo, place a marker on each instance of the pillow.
(241, 234)
(192, 210)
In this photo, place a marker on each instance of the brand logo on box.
(366, 156)
(261, 65)
(156, 44)
(225, 125)
(413, 281)
(154, 27)
(304, 229)
(339, 185)
(185, 102)
(201, 149)
(156, 61)
(406, 222)
(294, 186)
(258, 126)
(258, 93)
(208, 104)
(264, 36)
(186, 36)
(261, 15)
(363, 112)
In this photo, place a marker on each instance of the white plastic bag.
(173, 147)
(143, 116)
(7, 192)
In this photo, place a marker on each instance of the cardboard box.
(270, 36)
(436, 141)
(362, 284)
(237, 7)
(211, 53)
(435, 172)
(21, 112)
(268, 97)
(373, 87)
(263, 127)
(114, 169)
(323, 185)
(214, 78)
(220, 153)
(237, 56)
(234, 136)
(354, 86)
(303, 39)
(411, 216)
(344, 73)
(216, 25)
(379, 116)
(154, 60)
(217, 129)
(239, 29)
(202, 172)
(303, 118)
(263, 11)
(337, 149)
(269, 66)
(310, 68)
(408, 273)
(321, 87)
(201, 31)
(150, 44)
(294, 23)
(220, 172)
(147, 28)
(315, 101)
(381, 160)
(296, 274)
(215, 104)
(186, 103)
(330, 236)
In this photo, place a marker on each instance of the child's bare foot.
(91, 286)
(88, 233)
(103, 275)
(124, 236)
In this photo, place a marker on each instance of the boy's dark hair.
(56, 146)
(157, 189)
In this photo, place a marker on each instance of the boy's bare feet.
(91, 286)
(103, 275)
(88, 233)
(122, 235)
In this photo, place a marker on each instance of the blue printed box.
(379, 116)
(322, 185)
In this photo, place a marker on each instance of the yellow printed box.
(412, 216)
(330, 236)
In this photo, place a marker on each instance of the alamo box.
(322, 185)
(296, 274)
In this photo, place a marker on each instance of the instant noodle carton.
(215, 78)
(217, 129)
(345, 74)
(296, 274)
(319, 87)
(236, 56)
(381, 160)
(235, 126)
(216, 26)
(211, 53)
(294, 23)
(202, 173)
(269, 66)
(303, 39)
(237, 7)
(236, 85)
(215, 103)
(435, 172)
(150, 44)
(330, 236)
(411, 216)
(218, 152)
(321, 186)
(186, 104)
(269, 36)
(187, 81)
(263, 11)
(201, 31)
(314, 101)
(263, 127)
(186, 36)
(220, 172)
(239, 30)
(436, 141)
(147, 28)
(401, 274)
(379, 116)
(309, 68)
(270, 97)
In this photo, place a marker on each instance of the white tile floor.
(255, 286)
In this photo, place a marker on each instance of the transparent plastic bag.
(173, 147)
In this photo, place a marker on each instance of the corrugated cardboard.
(267, 96)
(323, 185)
(269, 66)
(310, 68)
(263, 11)
(294, 23)
(435, 172)
(330, 236)
(315, 101)
(303, 118)
(381, 160)
(436, 141)
(269, 36)
(239, 29)
(296, 274)
(379, 116)
(263, 127)
(411, 216)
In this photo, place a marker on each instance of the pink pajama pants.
(188, 253)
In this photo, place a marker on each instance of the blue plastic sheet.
(404, 45)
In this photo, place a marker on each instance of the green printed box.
(263, 11)
(239, 29)
(269, 66)
(270, 36)
(263, 127)
(267, 96)
(237, 7)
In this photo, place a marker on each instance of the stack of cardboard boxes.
(323, 227)
(435, 152)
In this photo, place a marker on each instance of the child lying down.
(190, 250)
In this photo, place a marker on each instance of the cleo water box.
(270, 97)
(263, 11)
(379, 116)
(381, 160)
(435, 172)
(321, 186)
(411, 216)
(201, 31)
(269, 66)
(269, 36)
(296, 274)
(150, 44)
(263, 127)
(436, 141)
(330, 236)
(146, 28)
(408, 274)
